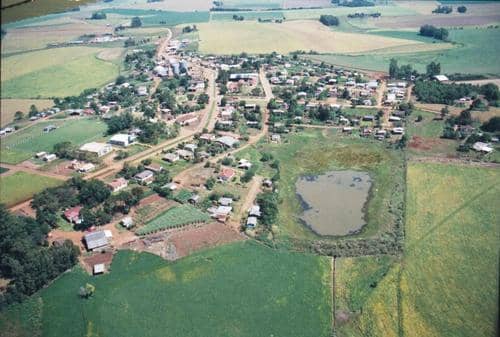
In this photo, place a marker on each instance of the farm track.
(18, 168)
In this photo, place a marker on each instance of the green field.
(164, 18)
(20, 186)
(446, 283)
(174, 217)
(241, 289)
(475, 52)
(56, 72)
(313, 152)
(26, 142)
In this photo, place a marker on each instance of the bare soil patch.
(88, 262)
(424, 144)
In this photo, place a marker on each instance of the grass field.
(241, 289)
(463, 58)
(219, 37)
(20, 186)
(313, 152)
(163, 18)
(55, 72)
(174, 217)
(447, 281)
(26, 142)
(10, 106)
(37, 8)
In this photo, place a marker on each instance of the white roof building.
(100, 149)
(482, 147)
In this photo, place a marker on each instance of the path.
(249, 199)
(18, 168)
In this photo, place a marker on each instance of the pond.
(334, 203)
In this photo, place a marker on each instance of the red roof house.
(73, 214)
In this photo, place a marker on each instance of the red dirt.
(88, 262)
(424, 144)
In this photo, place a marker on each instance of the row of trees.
(435, 32)
(26, 260)
(447, 93)
(354, 3)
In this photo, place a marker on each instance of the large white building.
(100, 149)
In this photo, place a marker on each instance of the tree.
(98, 16)
(18, 115)
(93, 192)
(136, 22)
(393, 68)
(492, 125)
(86, 291)
(433, 69)
(33, 110)
(461, 9)
(329, 20)
(64, 149)
(268, 202)
(445, 111)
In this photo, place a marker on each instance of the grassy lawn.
(55, 72)
(174, 217)
(315, 152)
(26, 142)
(447, 280)
(222, 37)
(20, 186)
(224, 291)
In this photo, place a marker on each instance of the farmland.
(197, 296)
(19, 186)
(23, 144)
(174, 217)
(252, 37)
(448, 273)
(164, 18)
(36, 8)
(52, 72)
(10, 106)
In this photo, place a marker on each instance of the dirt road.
(18, 168)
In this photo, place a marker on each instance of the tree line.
(434, 32)
(329, 20)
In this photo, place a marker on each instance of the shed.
(99, 268)
(96, 240)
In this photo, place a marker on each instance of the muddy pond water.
(333, 203)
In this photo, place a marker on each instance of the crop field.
(20, 186)
(252, 37)
(253, 4)
(178, 6)
(255, 15)
(164, 18)
(55, 72)
(344, 11)
(174, 217)
(26, 142)
(37, 8)
(10, 106)
(216, 292)
(313, 152)
(447, 281)
(463, 58)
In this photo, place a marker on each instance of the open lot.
(20, 186)
(447, 281)
(253, 37)
(10, 106)
(56, 72)
(26, 142)
(217, 292)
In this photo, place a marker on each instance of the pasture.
(174, 217)
(55, 72)
(315, 152)
(240, 289)
(10, 106)
(462, 58)
(446, 283)
(20, 186)
(37, 8)
(220, 37)
(158, 17)
(26, 142)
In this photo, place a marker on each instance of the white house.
(100, 149)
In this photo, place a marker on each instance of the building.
(86, 167)
(186, 119)
(73, 214)
(225, 201)
(254, 211)
(161, 71)
(244, 164)
(227, 141)
(96, 240)
(145, 177)
(121, 139)
(156, 168)
(185, 154)
(118, 184)
(99, 268)
(127, 222)
(171, 157)
(441, 78)
(100, 149)
(482, 147)
(40, 155)
(142, 90)
(251, 222)
(191, 147)
(226, 173)
(170, 186)
(49, 157)
(49, 128)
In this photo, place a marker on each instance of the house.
(156, 168)
(244, 164)
(171, 157)
(145, 177)
(40, 155)
(482, 147)
(226, 173)
(227, 141)
(118, 184)
(127, 222)
(394, 119)
(170, 186)
(191, 147)
(275, 138)
(267, 183)
(73, 214)
(142, 90)
(398, 131)
(49, 157)
(227, 114)
(99, 268)
(220, 211)
(251, 222)
(86, 167)
(185, 154)
(207, 137)
(254, 211)
(368, 118)
(441, 78)
(225, 201)
(100, 149)
(96, 240)
(186, 119)
(121, 139)
(161, 71)
(193, 199)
